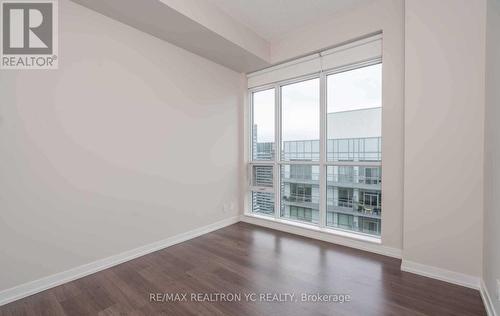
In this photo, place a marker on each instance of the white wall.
(444, 117)
(491, 261)
(367, 18)
(213, 18)
(131, 141)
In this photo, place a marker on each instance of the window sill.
(329, 231)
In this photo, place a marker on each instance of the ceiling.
(215, 29)
(272, 19)
(160, 20)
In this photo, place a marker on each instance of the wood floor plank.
(248, 259)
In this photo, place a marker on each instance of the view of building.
(353, 192)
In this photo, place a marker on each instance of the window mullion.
(322, 150)
(249, 194)
(277, 153)
(250, 127)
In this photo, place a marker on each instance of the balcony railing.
(349, 206)
(357, 209)
(354, 149)
(339, 178)
(342, 149)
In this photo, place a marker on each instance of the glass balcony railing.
(354, 149)
(352, 207)
(345, 149)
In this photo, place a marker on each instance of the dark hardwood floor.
(247, 259)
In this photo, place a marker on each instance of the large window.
(300, 121)
(263, 125)
(300, 191)
(263, 149)
(354, 104)
(326, 167)
(354, 116)
(299, 177)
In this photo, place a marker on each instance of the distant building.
(353, 192)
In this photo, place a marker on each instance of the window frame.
(251, 93)
(323, 161)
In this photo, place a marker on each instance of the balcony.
(354, 208)
(354, 149)
(363, 183)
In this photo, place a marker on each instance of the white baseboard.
(33, 287)
(441, 274)
(488, 303)
(328, 237)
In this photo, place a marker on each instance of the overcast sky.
(351, 90)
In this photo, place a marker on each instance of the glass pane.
(262, 176)
(263, 125)
(354, 114)
(354, 198)
(300, 121)
(263, 203)
(300, 193)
